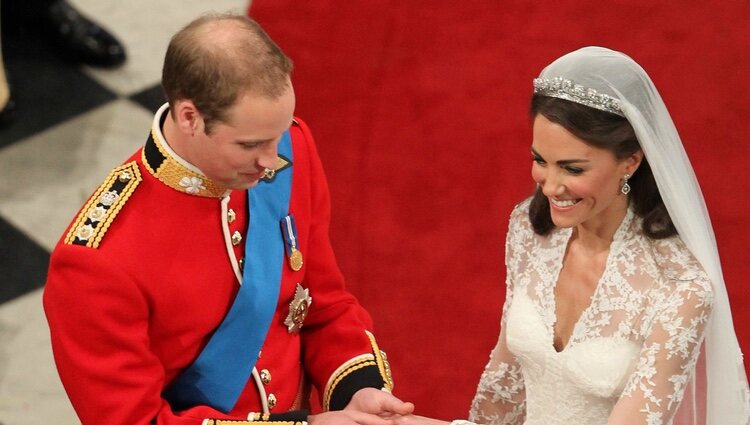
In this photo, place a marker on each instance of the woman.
(612, 268)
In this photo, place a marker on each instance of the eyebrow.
(562, 161)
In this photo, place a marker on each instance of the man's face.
(237, 152)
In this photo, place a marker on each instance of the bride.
(616, 310)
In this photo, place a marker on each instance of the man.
(198, 284)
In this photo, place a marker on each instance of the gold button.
(265, 376)
(231, 215)
(271, 401)
(236, 238)
(124, 177)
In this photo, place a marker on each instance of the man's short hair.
(217, 58)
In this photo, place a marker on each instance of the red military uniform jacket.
(149, 269)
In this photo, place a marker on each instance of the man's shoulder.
(100, 211)
(303, 143)
(299, 131)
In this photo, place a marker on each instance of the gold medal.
(295, 259)
(290, 241)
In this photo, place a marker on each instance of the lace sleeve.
(668, 357)
(501, 395)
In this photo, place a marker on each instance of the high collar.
(172, 170)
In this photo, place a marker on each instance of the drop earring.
(625, 189)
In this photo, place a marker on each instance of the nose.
(552, 184)
(268, 155)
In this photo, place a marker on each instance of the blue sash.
(216, 378)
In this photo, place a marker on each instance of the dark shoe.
(6, 110)
(81, 38)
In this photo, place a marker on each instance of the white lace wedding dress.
(633, 349)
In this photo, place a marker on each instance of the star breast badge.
(298, 309)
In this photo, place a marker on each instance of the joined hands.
(368, 406)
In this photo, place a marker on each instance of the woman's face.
(581, 182)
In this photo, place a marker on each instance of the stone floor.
(72, 125)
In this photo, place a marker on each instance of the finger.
(406, 408)
(394, 405)
(403, 420)
(369, 419)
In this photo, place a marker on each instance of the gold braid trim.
(344, 371)
(178, 177)
(100, 211)
(377, 358)
(382, 360)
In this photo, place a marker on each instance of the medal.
(298, 309)
(293, 253)
(295, 260)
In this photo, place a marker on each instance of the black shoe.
(6, 110)
(82, 39)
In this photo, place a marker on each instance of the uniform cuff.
(365, 371)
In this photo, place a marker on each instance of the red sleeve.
(98, 322)
(340, 354)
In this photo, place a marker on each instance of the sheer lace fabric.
(632, 351)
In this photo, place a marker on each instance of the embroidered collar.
(164, 164)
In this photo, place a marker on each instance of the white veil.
(720, 383)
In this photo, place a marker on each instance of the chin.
(563, 222)
(247, 185)
(564, 225)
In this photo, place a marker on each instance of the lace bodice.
(632, 351)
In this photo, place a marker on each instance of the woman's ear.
(632, 162)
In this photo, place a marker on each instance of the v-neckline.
(613, 248)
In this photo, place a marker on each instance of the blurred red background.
(419, 109)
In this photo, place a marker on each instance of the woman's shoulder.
(679, 267)
(519, 225)
(520, 213)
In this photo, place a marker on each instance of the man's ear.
(187, 117)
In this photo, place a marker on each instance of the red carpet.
(419, 110)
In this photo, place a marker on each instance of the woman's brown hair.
(611, 132)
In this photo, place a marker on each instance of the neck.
(596, 236)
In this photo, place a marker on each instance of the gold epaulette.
(97, 215)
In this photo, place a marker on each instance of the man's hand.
(378, 402)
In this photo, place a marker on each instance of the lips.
(564, 203)
(253, 176)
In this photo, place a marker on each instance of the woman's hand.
(417, 420)
(344, 417)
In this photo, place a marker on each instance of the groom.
(198, 285)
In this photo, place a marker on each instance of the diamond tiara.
(565, 89)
